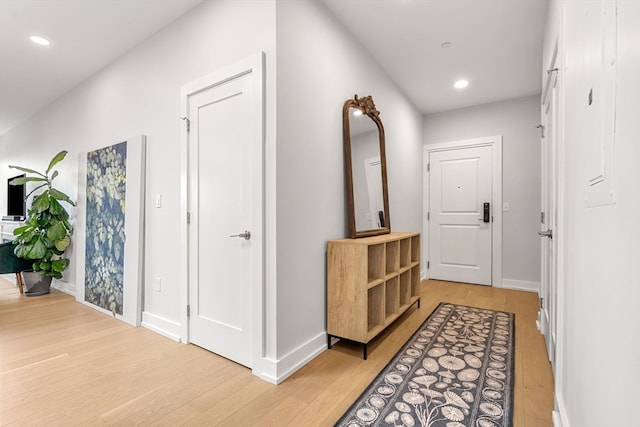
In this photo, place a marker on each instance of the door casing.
(253, 64)
(496, 143)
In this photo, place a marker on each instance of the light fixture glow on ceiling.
(461, 84)
(40, 40)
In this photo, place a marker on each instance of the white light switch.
(158, 200)
(506, 207)
(158, 284)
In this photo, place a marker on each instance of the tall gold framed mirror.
(365, 168)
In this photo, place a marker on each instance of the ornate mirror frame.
(368, 108)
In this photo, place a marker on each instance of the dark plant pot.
(35, 283)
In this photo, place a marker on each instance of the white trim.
(162, 326)
(559, 373)
(556, 418)
(521, 285)
(66, 287)
(559, 416)
(285, 367)
(496, 143)
(254, 65)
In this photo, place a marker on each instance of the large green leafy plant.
(46, 233)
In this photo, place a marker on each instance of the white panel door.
(373, 172)
(460, 182)
(221, 202)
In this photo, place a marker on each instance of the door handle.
(246, 235)
(548, 233)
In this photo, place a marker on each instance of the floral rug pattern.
(456, 371)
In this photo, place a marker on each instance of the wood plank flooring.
(64, 364)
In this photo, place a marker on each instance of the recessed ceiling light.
(445, 45)
(461, 84)
(40, 40)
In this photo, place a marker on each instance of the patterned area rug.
(455, 371)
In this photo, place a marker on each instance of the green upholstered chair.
(10, 263)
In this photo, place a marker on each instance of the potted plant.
(46, 233)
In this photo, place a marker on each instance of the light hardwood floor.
(62, 363)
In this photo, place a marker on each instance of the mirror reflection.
(366, 172)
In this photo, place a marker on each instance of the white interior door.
(548, 221)
(460, 241)
(373, 172)
(223, 199)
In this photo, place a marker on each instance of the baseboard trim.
(521, 285)
(162, 326)
(67, 288)
(557, 422)
(276, 371)
(559, 416)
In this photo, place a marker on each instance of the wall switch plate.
(506, 207)
(157, 283)
(158, 200)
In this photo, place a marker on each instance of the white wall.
(599, 295)
(140, 94)
(320, 66)
(516, 121)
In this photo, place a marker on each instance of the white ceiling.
(85, 36)
(496, 45)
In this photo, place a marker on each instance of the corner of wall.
(559, 415)
(67, 288)
(521, 285)
(276, 371)
(162, 326)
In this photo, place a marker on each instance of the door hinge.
(427, 265)
(188, 217)
(428, 216)
(541, 217)
(428, 167)
(541, 302)
(188, 311)
(186, 119)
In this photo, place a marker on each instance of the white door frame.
(549, 203)
(253, 64)
(375, 199)
(557, 61)
(496, 188)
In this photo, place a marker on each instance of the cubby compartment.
(415, 281)
(392, 297)
(375, 307)
(415, 249)
(392, 257)
(405, 288)
(405, 252)
(375, 262)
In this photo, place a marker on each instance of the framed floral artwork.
(109, 229)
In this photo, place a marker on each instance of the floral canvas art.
(105, 227)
